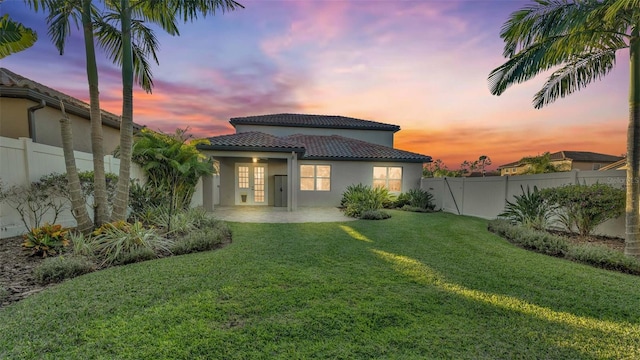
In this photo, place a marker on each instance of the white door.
(251, 184)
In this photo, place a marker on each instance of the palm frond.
(618, 6)
(535, 45)
(14, 37)
(62, 15)
(575, 76)
(189, 10)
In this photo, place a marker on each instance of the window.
(389, 177)
(315, 177)
(596, 166)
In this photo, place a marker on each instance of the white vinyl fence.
(486, 197)
(23, 161)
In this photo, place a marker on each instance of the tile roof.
(251, 141)
(338, 147)
(315, 121)
(14, 85)
(584, 156)
(313, 147)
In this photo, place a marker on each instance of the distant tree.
(439, 169)
(579, 39)
(541, 164)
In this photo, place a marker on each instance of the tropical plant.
(173, 166)
(582, 38)
(360, 198)
(46, 240)
(530, 209)
(420, 198)
(116, 241)
(583, 207)
(14, 37)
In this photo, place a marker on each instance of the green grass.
(416, 286)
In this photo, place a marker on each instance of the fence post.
(28, 157)
(506, 190)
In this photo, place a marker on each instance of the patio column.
(292, 198)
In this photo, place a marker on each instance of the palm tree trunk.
(99, 180)
(126, 124)
(78, 204)
(632, 238)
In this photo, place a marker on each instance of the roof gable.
(313, 121)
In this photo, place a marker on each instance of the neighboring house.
(565, 161)
(293, 160)
(31, 110)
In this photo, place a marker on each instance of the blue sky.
(420, 64)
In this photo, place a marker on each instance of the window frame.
(315, 177)
(387, 178)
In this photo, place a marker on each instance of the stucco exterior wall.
(380, 137)
(14, 123)
(228, 177)
(345, 173)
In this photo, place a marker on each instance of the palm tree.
(579, 39)
(14, 37)
(62, 13)
(163, 13)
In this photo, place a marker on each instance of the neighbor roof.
(17, 86)
(312, 147)
(584, 156)
(313, 121)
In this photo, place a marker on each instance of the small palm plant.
(530, 209)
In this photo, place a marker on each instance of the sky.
(422, 65)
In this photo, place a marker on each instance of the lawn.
(416, 286)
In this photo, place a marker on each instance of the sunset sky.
(422, 65)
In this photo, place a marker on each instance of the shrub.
(144, 199)
(414, 209)
(374, 215)
(537, 240)
(4, 294)
(402, 200)
(359, 198)
(204, 239)
(116, 241)
(422, 199)
(181, 222)
(56, 269)
(46, 240)
(604, 257)
(583, 207)
(531, 209)
(543, 242)
(82, 245)
(37, 201)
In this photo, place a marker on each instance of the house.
(564, 161)
(618, 165)
(29, 109)
(291, 160)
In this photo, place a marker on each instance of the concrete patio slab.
(270, 214)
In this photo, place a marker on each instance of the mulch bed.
(16, 271)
